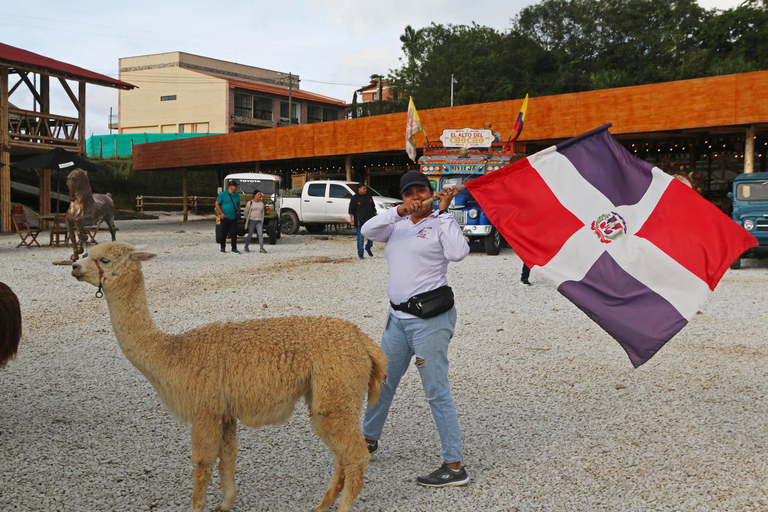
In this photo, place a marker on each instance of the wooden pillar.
(5, 154)
(81, 118)
(45, 195)
(348, 167)
(749, 150)
(184, 192)
(257, 167)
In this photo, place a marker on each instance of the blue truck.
(750, 209)
(473, 155)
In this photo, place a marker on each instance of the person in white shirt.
(420, 243)
(254, 220)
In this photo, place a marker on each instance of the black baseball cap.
(413, 178)
(233, 183)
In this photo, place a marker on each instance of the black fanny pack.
(427, 304)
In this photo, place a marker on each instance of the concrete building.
(182, 93)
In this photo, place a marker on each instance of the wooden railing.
(193, 202)
(40, 127)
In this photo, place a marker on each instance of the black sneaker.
(444, 477)
(223, 250)
(369, 253)
(235, 251)
(372, 448)
(525, 282)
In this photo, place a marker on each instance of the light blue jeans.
(427, 339)
(360, 240)
(257, 226)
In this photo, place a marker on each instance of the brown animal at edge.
(86, 209)
(10, 324)
(253, 371)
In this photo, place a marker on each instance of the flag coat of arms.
(412, 127)
(634, 248)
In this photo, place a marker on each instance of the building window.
(330, 114)
(262, 108)
(374, 96)
(294, 111)
(168, 98)
(243, 105)
(314, 114)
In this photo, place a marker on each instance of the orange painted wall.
(700, 103)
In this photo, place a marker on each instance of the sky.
(333, 45)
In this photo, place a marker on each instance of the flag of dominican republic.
(634, 248)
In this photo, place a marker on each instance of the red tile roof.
(279, 91)
(13, 56)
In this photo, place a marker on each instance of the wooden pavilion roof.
(713, 104)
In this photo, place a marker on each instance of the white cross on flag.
(631, 246)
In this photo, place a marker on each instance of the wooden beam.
(45, 93)
(31, 87)
(45, 195)
(348, 167)
(184, 192)
(5, 154)
(81, 118)
(749, 150)
(68, 90)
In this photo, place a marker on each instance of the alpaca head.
(107, 263)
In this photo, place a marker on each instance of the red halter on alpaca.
(99, 293)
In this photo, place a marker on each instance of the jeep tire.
(492, 242)
(272, 230)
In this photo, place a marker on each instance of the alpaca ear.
(142, 256)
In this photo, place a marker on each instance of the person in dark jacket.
(361, 209)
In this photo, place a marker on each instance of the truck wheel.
(289, 223)
(736, 265)
(493, 242)
(272, 231)
(315, 229)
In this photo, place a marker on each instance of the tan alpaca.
(253, 371)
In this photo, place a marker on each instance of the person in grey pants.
(254, 220)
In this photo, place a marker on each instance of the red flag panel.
(517, 197)
(695, 233)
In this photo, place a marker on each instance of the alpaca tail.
(378, 370)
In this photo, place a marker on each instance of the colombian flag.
(518, 124)
(631, 246)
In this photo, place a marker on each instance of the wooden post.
(45, 195)
(257, 167)
(348, 167)
(81, 118)
(184, 192)
(5, 154)
(749, 150)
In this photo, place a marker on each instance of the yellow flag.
(412, 127)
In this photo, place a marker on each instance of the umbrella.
(58, 159)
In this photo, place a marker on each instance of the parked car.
(322, 203)
(750, 209)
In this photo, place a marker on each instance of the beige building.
(182, 93)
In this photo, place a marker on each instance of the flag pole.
(432, 199)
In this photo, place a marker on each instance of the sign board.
(467, 138)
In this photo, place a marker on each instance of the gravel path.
(553, 416)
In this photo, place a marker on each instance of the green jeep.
(271, 188)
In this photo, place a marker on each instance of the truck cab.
(750, 208)
(461, 156)
(270, 186)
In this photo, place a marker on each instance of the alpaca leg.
(206, 440)
(341, 433)
(227, 461)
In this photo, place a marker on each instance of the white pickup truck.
(322, 203)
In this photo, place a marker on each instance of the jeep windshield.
(247, 186)
(757, 191)
(453, 181)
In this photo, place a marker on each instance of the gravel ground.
(553, 415)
